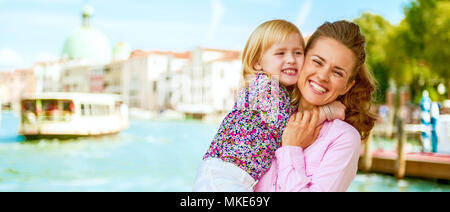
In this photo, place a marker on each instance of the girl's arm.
(334, 110)
(271, 101)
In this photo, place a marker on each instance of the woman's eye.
(317, 62)
(339, 73)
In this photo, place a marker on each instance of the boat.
(65, 115)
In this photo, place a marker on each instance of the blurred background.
(127, 95)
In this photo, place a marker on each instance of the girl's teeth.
(289, 71)
(317, 87)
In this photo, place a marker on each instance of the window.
(82, 110)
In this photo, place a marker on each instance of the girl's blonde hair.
(262, 38)
(358, 100)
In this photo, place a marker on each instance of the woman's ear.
(348, 87)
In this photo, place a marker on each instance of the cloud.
(10, 59)
(217, 9)
(305, 9)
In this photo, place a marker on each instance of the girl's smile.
(283, 60)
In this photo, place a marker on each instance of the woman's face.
(326, 72)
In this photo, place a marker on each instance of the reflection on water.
(149, 156)
(378, 182)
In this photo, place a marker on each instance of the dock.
(416, 164)
(401, 163)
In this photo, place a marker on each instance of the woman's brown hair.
(358, 100)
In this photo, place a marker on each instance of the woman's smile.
(326, 72)
(317, 88)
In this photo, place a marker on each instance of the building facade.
(198, 82)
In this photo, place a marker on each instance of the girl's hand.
(301, 129)
(337, 111)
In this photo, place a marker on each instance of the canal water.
(148, 156)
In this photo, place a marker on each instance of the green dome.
(121, 51)
(87, 43)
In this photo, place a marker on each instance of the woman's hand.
(301, 130)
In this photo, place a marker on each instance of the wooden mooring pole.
(400, 164)
(367, 157)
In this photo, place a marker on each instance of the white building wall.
(204, 83)
(209, 82)
(224, 81)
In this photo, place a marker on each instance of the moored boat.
(67, 115)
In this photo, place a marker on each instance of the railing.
(30, 118)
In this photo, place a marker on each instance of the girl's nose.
(290, 58)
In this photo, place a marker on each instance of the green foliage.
(438, 43)
(428, 37)
(413, 53)
(376, 28)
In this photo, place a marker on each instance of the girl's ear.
(257, 66)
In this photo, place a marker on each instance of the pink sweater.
(329, 164)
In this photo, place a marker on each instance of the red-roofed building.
(15, 84)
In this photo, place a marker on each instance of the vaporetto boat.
(68, 115)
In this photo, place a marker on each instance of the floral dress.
(251, 133)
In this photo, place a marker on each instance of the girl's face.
(327, 70)
(283, 60)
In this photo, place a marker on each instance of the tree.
(427, 39)
(414, 53)
(375, 28)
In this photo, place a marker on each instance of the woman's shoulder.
(342, 129)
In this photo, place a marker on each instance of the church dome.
(121, 51)
(87, 43)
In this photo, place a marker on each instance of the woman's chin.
(314, 100)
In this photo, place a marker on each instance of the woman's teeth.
(317, 87)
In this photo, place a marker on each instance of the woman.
(326, 158)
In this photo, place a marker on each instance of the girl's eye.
(279, 53)
(298, 53)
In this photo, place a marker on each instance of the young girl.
(242, 150)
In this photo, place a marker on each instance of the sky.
(35, 30)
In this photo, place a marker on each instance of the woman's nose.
(323, 73)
